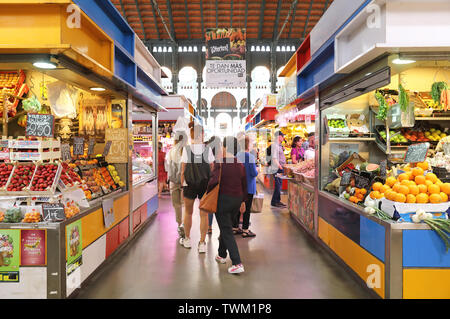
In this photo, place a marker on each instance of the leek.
(442, 229)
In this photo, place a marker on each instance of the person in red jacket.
(162, 174)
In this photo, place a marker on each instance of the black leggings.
(246, 216)
(226, 208)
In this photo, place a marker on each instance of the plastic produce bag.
(32, 105)
(62, 99)
(394, 117)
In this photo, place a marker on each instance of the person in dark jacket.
(216, 145)
(232, 196)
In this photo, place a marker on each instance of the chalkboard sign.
(346, 179)
(107, 148)
(40, 125)
(91, 146)
(361, 182)
(53, 212)
(78, 145)
(65, 152)
(416, 153)
(383, 166)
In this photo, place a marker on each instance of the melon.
(372, 167)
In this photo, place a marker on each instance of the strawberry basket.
(20, 179)
(45, 179)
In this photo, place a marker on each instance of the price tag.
(40, 125)
(416, 153)
(107, 148)
(78, 145)
(65, 152)
(91, 146)
(53, 212)
(119, 147)
(346, 179)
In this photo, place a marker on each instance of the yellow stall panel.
(426, 283)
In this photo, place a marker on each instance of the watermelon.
(372, 167)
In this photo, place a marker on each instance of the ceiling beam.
(164, 22)
(217, 13)
(201, 15)
(277, 19)
(261, 18)
(154, 18)
(307, 19)
(187, 19)
(293, 18)
(169, 10)
(325, 7)
(140, 18)
(123, 9)
(246, 14)
(231, 14)
(292, 8)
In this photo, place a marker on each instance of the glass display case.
(144, 150)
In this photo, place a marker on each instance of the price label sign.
(78, 145)
(91, 146)
(65, 152)
(119, 145)
(40, 125)
(53, 212)
(416, 153)
(346, 179)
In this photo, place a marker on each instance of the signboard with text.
(118, 152)
(32, 251)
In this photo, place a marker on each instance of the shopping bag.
(257, 203)
(208, 202)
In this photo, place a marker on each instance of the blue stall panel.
(424, 248)
(372, 237)
(152, 206)
(106, 16)
(124, 66)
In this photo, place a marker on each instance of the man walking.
(277, 166)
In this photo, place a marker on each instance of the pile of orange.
(413, 186)
(358, 196)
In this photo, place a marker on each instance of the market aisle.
(280, 262)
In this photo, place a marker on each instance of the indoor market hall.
(281, 262)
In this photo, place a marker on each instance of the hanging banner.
(225, 57)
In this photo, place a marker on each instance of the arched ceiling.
(188, 19)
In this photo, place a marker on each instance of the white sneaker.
(236, 269)
(221, 260)
(202, 248)
(185, 242)
(181, 231)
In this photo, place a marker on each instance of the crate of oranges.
(32, 217)
(355, 195)
(415, 187)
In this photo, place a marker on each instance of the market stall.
(381, 166)
(66, 190)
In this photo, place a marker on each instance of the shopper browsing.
(232, 196)
(216, 146)
(310, 153)
(173, 167)
(278, 161)
(251, 172)
(162, 174)
(197, 161)
(297, 151)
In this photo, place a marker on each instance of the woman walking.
(297, 151)
(162, 174)
(232, 196)
(216, 145)
(197, 161)
(173, 162)
(251, 173)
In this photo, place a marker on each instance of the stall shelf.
(76, 246)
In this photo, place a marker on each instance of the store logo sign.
(374, 279)
(74, 19)
(374, 19)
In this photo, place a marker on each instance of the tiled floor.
(280, 262)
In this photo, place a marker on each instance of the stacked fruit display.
(5, 172)
(69, 170)
(71, 209)
(21, 177)
(32, 217)
(91, 185)
(337, 123)
(44, 177)
(355, 195)
(112, 170)
(107, 177)
(435, 135)
(396, 137)
(413, 186)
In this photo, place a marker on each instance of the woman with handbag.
(232, 193)
(197, 161)
(251, 173)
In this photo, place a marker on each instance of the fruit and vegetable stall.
(66, 188)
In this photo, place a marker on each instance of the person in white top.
(197, 163)
(310, 153)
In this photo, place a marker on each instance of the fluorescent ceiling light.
(403, 61)
(45, 65)
(97, 89)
